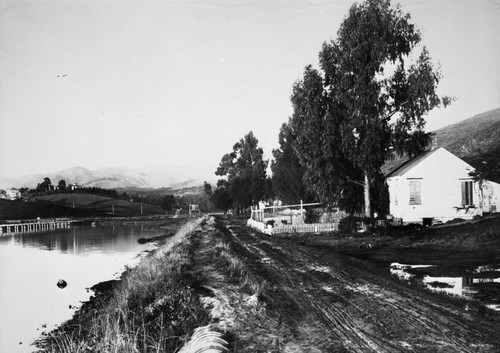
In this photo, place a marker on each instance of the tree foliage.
(369, 98)
(61, 185)
(487, 166)
(45, 186)
(168, 202)
(328, 173)
(288, 174)
(220, 197)
(244, 170)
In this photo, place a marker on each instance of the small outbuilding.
(436, 186)
(194, 211)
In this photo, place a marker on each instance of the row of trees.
(166, 201)
(365, 102)
(46, 187)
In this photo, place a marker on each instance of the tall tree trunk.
(368, 211)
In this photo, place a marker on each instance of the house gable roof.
(412, 163)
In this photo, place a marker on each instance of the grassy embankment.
(153, 307)
(156, 306)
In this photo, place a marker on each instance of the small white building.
(74, 186)
(437, 186)
(13, 194)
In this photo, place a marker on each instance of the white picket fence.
(296, 228)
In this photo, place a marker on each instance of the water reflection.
(79, 239)
(461, 286)
(32, 263)
(470, 287)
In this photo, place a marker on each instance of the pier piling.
(33, 225)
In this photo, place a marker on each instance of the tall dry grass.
(152, 309)
(248, 281)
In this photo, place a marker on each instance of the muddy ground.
(335, 294)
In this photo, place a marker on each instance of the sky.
(128, 83)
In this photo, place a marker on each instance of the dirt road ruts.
(333, 303)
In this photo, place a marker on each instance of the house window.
(415, 192)
(467, 199)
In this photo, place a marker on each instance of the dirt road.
(317, 300)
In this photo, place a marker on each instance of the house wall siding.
(440, 176)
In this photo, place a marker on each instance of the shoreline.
(105, 292)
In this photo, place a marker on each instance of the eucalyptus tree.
(220, 197)
(288, 173)
(369, 98)
(244, 170)
(328, 173)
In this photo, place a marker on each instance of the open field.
(74, 205)
(22, 210)
(313, 293)
(100, 205)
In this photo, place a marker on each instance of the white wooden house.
(435, 186)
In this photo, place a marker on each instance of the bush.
(351, 224)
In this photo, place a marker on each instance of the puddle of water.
(460, 286)
(328, 289)
(372, 291)
(470, 287)
(324, 269)
(400, 270)
(266, 260)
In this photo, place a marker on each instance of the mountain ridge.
(118, 177)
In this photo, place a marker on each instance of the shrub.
(351, 224)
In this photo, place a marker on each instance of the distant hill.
(471, 138)
(475, 140)
(119, 178)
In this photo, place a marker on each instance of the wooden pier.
(33, 225)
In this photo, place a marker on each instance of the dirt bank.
(151, 308)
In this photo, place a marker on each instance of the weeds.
(238, 270)
(152, 309)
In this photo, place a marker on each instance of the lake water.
(32, 263)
